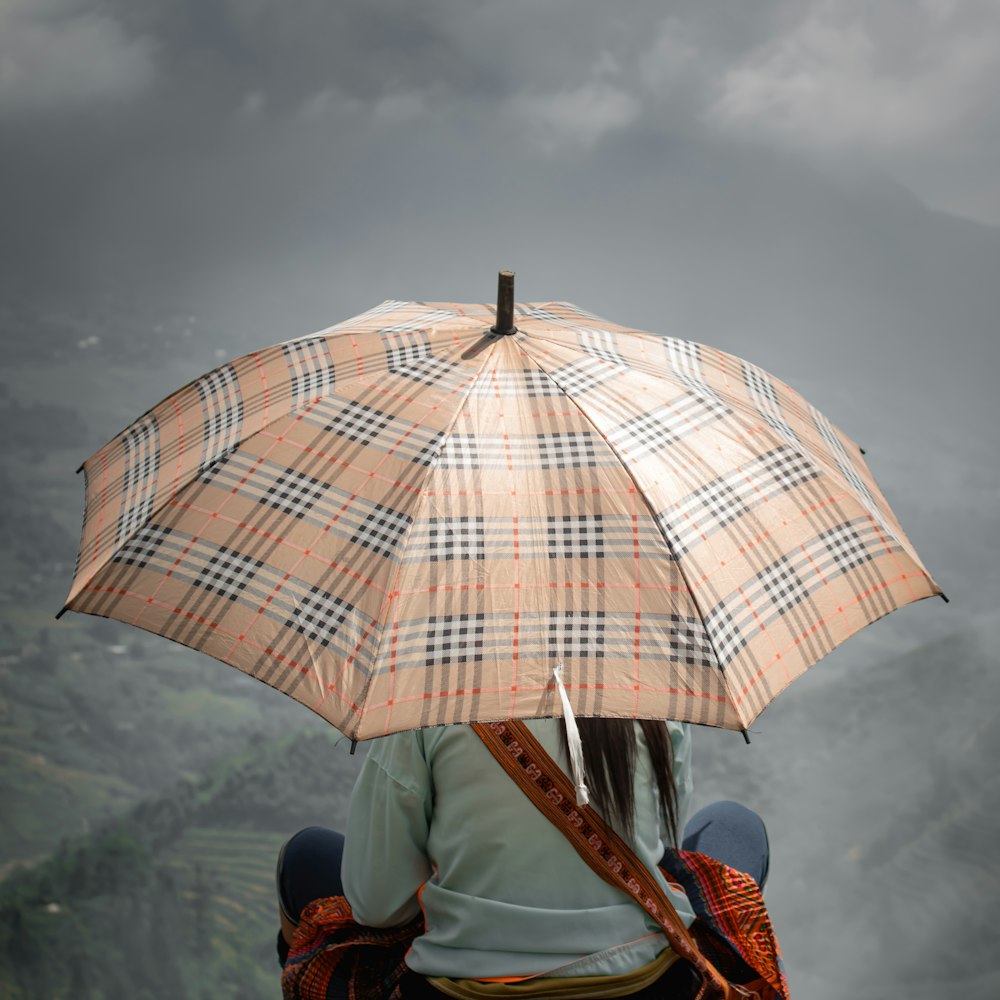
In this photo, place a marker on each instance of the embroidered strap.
(543, 781)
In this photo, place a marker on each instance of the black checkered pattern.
(371, 427)
(144, 546)
(411, 355)
(658, 429)
(782, 585)
(761, 391)
(678, 536)
(390, 305)
(684, 357)
(431, 371)
(576, 537)
(540, 312)
(579, 377)
(456, 538)
(311, 370)
(227, 573)
(706, 404)
(714, 505)
(294, 493)
(454, 639)
(460, 451)
(358, 422)
(422, 322)
(759, 386)
(600, 344)
(727, 634)
(381, 528)
(576, 634)
(724, 500)
(529, 382)
(222, 414)
(689, 642)
(846, 466)
(648, 433)
(406, 349)
(141, 444)
(845, 546)
(786, 467)
(422, 448)
(319, 615)
(566, 450)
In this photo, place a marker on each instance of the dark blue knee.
(309, 868)
(733, 834)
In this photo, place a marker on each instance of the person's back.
(437, 825)
(503, 894)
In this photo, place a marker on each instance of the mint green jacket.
(436, 823)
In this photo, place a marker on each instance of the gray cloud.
(905, 86)
(55, 55)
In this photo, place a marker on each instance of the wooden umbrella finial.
(505, 304)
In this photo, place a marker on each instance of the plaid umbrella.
(409, 518)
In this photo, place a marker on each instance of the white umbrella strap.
(573, 738)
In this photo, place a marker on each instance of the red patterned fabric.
(730, 907)
(328, 936)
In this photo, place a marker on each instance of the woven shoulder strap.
(551, 791)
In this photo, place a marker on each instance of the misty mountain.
(882, 799)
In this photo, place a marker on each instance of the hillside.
(175, 898)
(883, 808)
(90, 726)
(881, 794)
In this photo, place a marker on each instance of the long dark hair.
(609, 748)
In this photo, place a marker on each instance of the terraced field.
(226, 877)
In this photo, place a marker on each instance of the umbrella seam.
(830, 470)
(645, 500)
(156, 508)
(431, 466)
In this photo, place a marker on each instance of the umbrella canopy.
(409, 519)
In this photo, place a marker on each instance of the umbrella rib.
(646, 403)
(639, 490)
(421, 499)
(826, 465)
(165, 500)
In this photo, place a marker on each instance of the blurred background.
(811, 185)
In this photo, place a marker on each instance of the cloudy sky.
(207, 139)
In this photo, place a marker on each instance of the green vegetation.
(88, 726)
(146, 789)
(176, 897)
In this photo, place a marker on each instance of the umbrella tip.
(505, 304)
(354, 746)
(746, 735)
